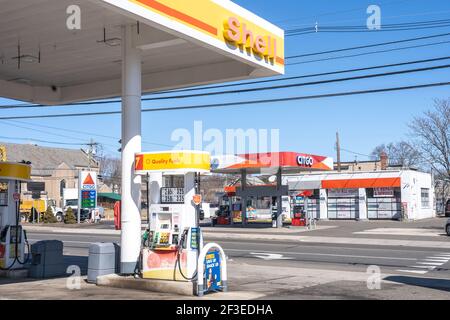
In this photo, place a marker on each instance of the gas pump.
(173, 243)
(12, 236)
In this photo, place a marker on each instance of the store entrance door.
(384, 208)
(384, 203)
(343, 204)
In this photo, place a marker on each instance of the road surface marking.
(328, 254)
(437, 260)
(414, 271)
(269, 256)
(431, 263)
(424, 267)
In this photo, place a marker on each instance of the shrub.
(48, 216)
(70, 218)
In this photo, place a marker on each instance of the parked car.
(447, 227)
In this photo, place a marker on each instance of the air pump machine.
(173, 244)
(12, 236)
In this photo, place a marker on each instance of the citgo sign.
(305, 161)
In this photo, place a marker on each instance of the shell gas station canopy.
(47, 58)
(56, 52)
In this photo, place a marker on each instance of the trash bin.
(104, 258)
(47, 259)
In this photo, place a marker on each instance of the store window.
(425, 197)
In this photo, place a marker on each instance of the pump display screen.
(3, 194)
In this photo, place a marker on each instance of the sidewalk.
(249, 282)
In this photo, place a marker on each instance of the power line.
(295, 84)
(364, 28)
(240, 103)
(385, 18)
(281, 79)
(78, 132)
(377, 75)
(36, 130)
(368, 46)
(43, 141)
(370, 53)
(339, 12)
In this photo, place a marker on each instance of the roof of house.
(48, 158)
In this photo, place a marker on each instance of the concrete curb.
(129, 282)
(73, 230)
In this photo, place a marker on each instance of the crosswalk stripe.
(436, 260)
(414, 271)
(431, 263)
(424, 267)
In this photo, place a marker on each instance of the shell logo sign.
(217, 23)
(238, 33)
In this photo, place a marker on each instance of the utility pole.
(338, 152)
(91, 151)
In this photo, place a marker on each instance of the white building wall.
(411, 184)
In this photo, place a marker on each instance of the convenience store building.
(362, 195)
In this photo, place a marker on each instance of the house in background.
(53, 169)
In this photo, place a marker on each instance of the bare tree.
(432, 138)
(399, 154)
(211, 185)
(110, 169)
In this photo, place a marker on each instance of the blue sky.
(305, 126)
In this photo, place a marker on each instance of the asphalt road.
(432, 263)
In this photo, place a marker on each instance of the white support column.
(131, 144)
(362, 204)
(323, 215)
